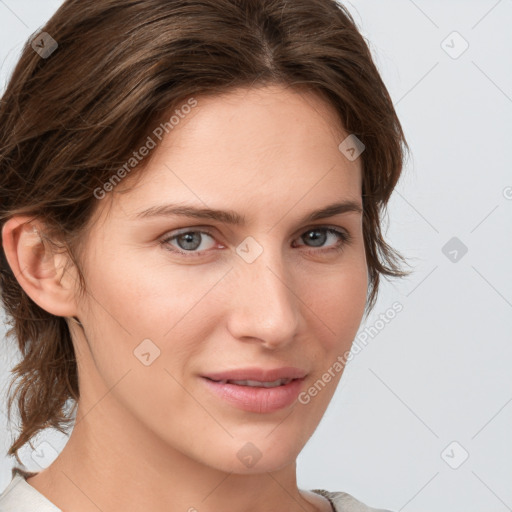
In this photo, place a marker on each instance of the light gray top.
(20, 496)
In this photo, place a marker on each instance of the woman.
(191, 202)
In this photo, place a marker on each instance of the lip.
(261, 374)
(256, 399)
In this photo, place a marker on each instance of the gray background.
(434, 385)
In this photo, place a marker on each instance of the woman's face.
(179, 306)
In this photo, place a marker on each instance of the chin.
(264, 451)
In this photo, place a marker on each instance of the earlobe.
(39, 269)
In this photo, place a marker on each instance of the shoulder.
(20, 496)
(344, 502)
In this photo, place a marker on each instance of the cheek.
(158, 312)
(139, 330)
(139, 296)
(339, 302)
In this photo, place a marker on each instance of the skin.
(152, 437)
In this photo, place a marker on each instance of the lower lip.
(256, 399)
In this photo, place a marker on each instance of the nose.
(265, 308)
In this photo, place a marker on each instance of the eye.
(189, 242)
(320, 234)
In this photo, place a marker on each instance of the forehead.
(248, 143)
(259, 117)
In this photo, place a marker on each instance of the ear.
(39, 269)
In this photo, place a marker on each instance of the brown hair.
(70, 120)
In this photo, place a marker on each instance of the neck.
(112, 472)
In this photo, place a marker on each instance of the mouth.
(257, 390)
(254, 383)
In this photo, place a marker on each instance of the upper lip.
(258, 374)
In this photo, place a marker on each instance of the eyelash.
(343, 235)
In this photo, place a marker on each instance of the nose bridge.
(265, 306)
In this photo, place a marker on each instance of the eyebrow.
(234, 218)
